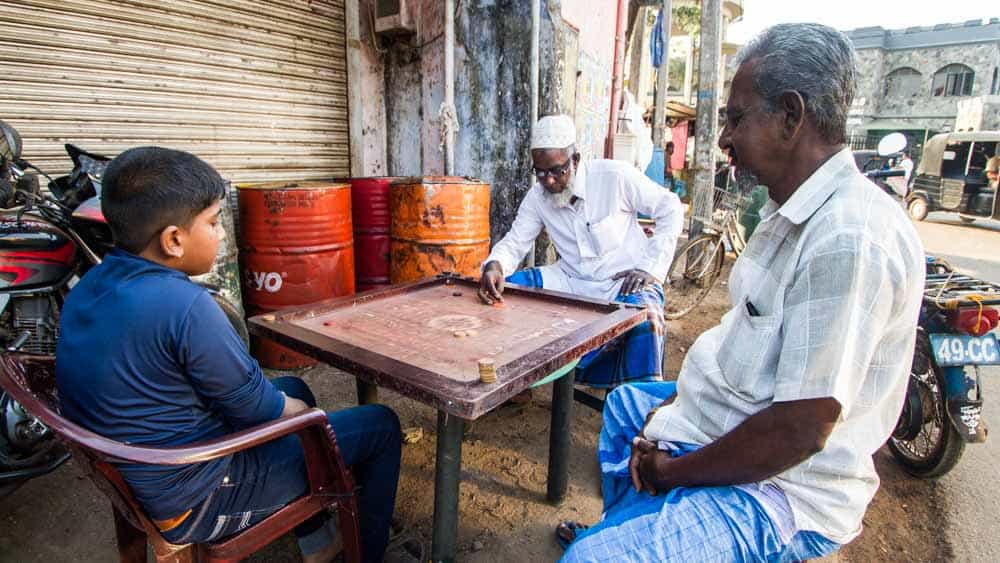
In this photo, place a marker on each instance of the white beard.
(746, 181)
(563, 198)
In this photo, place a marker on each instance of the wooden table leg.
(559, 437)
(367, 393)
(446, 476)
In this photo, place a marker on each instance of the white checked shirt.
(600, 235)
(836, 276)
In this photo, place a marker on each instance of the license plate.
(961, 350)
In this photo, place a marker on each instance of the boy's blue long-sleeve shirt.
(146, 357)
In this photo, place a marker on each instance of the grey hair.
(814, 60)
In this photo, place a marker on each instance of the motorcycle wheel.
(937, 447)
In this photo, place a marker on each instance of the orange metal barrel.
(296, 247)
(439, 224)
(370, 210)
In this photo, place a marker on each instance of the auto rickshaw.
(952, 176)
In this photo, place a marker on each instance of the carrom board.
(426, 339)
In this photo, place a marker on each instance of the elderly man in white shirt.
(762, 451)
(589, 212)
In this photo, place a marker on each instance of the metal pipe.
(536, 25)
(446, 481)
(449, 86)
(617, 77)
(559, 438)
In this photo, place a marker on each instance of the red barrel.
(370, 211)
(296, 247)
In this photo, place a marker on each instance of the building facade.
(926, 80)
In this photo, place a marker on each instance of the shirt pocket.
(608, 234)
(744, 352)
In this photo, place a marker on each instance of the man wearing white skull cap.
(589, 211)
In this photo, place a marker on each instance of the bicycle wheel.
(736, 239)
(692, 274)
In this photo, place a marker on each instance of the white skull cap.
(553, 132)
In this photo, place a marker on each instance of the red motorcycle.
(48, 239)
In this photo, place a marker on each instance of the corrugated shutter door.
(258, 89)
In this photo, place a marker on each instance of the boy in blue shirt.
(146, 357)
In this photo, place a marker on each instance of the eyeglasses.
(555, 172)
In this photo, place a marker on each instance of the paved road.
(971, 492)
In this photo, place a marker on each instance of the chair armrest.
(324, 464)
(200, 451)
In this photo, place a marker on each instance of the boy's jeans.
(263, 479)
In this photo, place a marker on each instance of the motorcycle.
(942, 411)
(48, 240)
(874, 164)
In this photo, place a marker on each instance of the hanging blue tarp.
(656, 41)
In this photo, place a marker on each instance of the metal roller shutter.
(258, 89)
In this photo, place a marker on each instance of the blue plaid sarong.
(635, 356)
(726, 524)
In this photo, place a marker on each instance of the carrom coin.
(487, 371)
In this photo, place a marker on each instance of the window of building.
(903, 82)
(995, 89)
(953, 80)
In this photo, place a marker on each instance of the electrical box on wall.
(393, 17)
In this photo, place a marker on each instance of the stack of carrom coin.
(487, 371)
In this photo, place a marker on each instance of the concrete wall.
(372, 85)
(595, 20)
(492, 90)
(870, 81)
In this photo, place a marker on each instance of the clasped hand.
(648, 467)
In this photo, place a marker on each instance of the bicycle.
(697, 266)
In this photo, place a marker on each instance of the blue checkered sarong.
(726, 524)
(635, 356)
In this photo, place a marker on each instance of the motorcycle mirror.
(10, 142)
(891, 144)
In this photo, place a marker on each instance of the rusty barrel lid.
(408, 180)
(299, 185)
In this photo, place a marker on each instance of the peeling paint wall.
(493, 98)
(596, 22)
(372, 80)
(404, 113)
(493, 90)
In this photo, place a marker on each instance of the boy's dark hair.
(147, 189)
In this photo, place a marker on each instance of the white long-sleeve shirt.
(599, 235)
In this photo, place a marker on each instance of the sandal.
(567, 532)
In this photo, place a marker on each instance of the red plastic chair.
(30, 380)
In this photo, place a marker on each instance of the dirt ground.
(503, 513)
